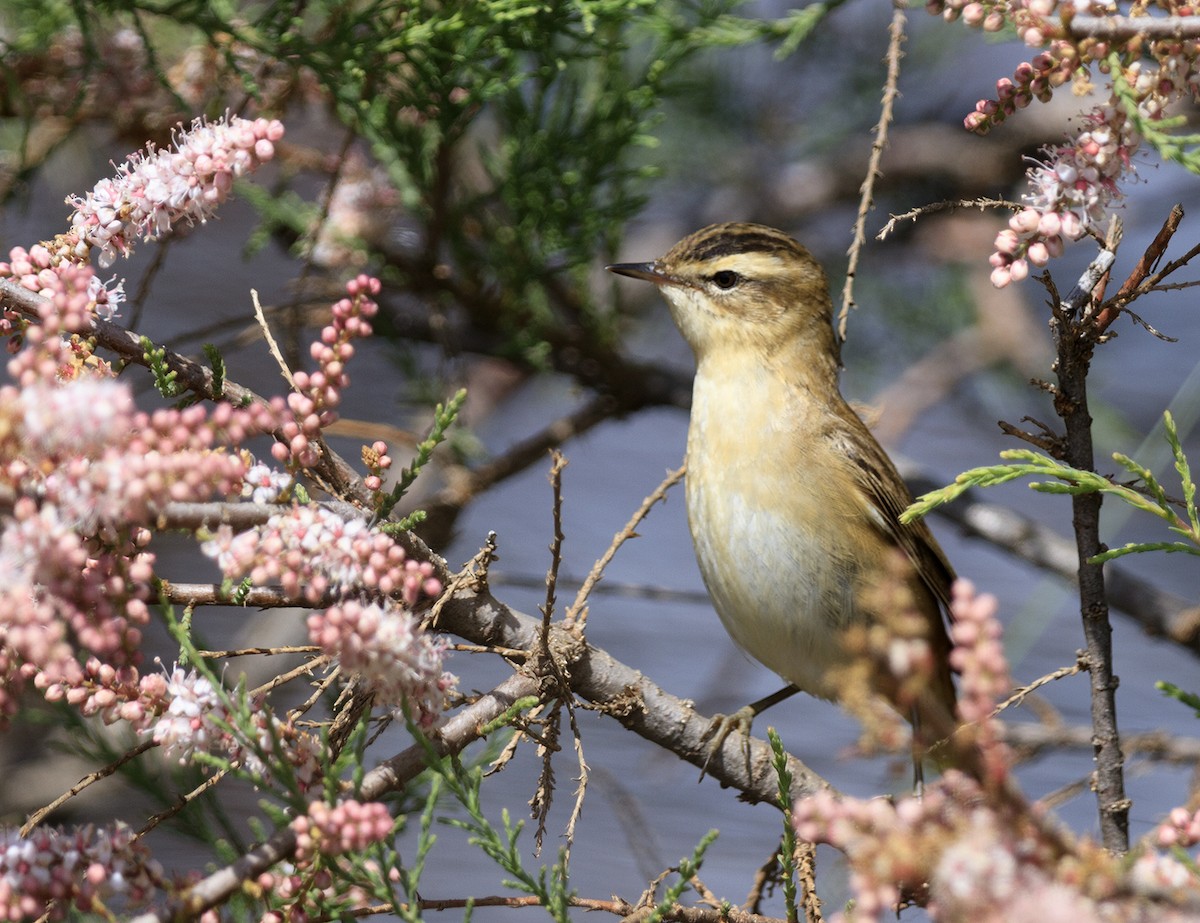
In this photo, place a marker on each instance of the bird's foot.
(722, 726)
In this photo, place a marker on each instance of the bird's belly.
(782, 588)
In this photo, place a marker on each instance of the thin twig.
(1157, 746)
(265, 651)
(556, 468)
(867, 191)
(946, 205)
(272, 346)
(1019, 694)
(156, 819)
(806, 869)
(1133, 285)
(92, 777)
(576, 617)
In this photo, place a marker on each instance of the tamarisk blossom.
(311, 553)
(1072, 192)
(87, 474)
(185, 714)
(156, 189)
(1074, 188)
(972, 849)
(317, 395)
(349, 826)
(51, 872)
(384, 644)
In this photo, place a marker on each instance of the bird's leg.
(918, 756)
(722, 726)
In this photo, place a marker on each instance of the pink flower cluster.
(38, 270)
(1181, 828)
(349, 826)
(1036, 21)
(316, 396)
(263, 484)
(1031, 80)
(1075, 188)
(973, 850)
(88, 474)
(947, 850)
(192, 716)
(1072, 192)
(377, 460)
(310, 551)
(66, 311)
(156, 189)
(298, 892)
(978, 655)
(54, 871)
(185, 714)
(386, 646)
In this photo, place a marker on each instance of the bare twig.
(264, 651)
(1154, 745)
(616, 906)
(1133, 285)
(806, 868)
(272, 346)
(92, 777)
(866, 202)
(576, 617)
(556, 468)
(1020, 693)
(947, 205)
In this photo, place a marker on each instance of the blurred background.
(487, 175)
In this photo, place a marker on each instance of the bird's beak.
(648, 271)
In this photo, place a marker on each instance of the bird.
(793, 506)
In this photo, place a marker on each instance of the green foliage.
(1171, 691)
(241, 592)
(512, 132)
(410, 873)
(687, 870)
(787, 849)
(217, 362)
(164, 377)
(444, 416)
(549, 886)
(1162, 134)
(1150, 497)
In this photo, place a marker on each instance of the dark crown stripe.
(729, 239)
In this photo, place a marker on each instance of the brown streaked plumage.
(793, 506)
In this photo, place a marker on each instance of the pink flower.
(348, 826)
(155, 189)
(187, 724)
(52, 870)
(387, 647)
(310, 551)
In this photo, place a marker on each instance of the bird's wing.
(888, 497)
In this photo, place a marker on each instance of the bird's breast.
(773, 532)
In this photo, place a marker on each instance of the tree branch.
(1075, 339)
(1123, 28)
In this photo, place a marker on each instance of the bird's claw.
(721, 727)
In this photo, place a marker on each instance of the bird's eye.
(725, 279)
